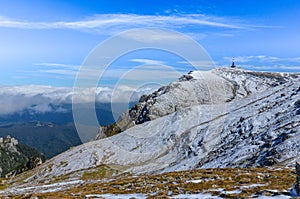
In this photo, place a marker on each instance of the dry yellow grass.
(214, 181)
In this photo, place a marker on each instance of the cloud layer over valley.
(43, 99)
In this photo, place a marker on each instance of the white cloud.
(59, 72)
(156, 73)
(41, 99)
(59, 65)
(149, 70)
(155, 35)
(199, 64)
(264, 58)
(54, 70)
(148, 61)
(104, 22)
(283, 68)
(35, 98)
(265, 63)
(243, 59)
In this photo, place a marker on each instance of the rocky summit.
(223, 118)
(16, 158)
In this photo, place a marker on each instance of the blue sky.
(45, 42)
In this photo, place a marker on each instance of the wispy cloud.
(154, 35)
(124, 21)
(59, 72)
(263, 58)
(260, 58)
(147, 70)
(266, 63)
(276, 67)
(60, 65)
(199, 64)
(155, 73)
(59, 69)
(148, 61)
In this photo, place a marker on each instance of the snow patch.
(194, 181)
(195, 196)
(116, 196)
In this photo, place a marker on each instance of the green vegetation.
(102, 171)
(16, 158)
(49, 139)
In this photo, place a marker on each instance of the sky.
(46, 42)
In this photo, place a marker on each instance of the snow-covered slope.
(250, 119)
(198, 87)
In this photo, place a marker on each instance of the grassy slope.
(213, 181)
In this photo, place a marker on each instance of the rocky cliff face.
(219, 118)
(16, 158)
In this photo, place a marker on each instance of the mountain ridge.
(160, 102)
(258, 127)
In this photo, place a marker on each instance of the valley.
(228, 133)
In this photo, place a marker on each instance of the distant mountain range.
(103, 111)
(52, 132)
(207, 119)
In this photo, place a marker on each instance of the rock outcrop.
(16, 158)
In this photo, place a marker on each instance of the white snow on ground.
(43, 188)
(212, 135)
(116, 196)
(181, 196)
(237, 191)
(195, 196)
(251, 186)
(208, 196)
(274, 197)
(194, 181)
(258, 125)
(142, 196)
